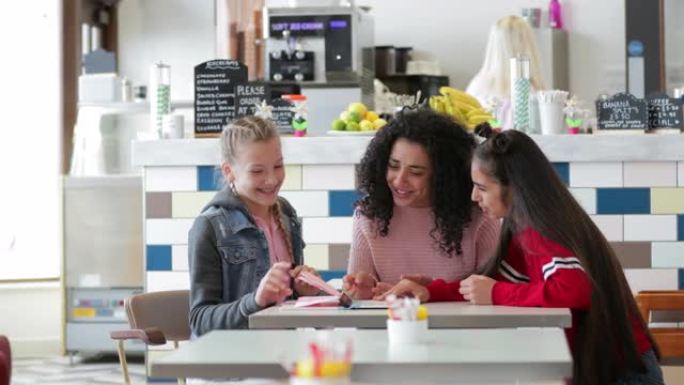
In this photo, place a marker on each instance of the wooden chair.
(669, 340)
(154, 318)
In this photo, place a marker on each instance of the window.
(30, 113)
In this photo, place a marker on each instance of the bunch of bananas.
(463, 108)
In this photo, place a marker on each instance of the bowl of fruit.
(357, 119)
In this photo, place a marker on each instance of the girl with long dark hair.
(551, 254)
(416, 217)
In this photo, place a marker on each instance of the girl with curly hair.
(416, 218)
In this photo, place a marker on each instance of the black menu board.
(622, 112)
(664, 111)
(248, 95)
(283, 115)
(214, 94)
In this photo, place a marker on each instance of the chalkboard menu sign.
(247, 96)
(283, 115)
(622, 112)
(214, 94)
(664, 111)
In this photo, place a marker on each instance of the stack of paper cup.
(551, 116)
(520, 92)
(172, 126)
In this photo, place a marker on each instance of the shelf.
(134, 107)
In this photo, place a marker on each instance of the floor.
(59, 370)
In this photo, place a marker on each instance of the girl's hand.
(477, 289)
(359, 285)
(406, 287)
(381, 288)
(274, 286)
(423, 280)
(303, 288)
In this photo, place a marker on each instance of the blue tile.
(563, 170)
(623, 201)
(681, 279)
(342, 202)
(209, 178)
(159, 258)
(331, 274)
(680, 227)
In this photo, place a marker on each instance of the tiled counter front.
(633, 188)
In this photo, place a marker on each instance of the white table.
(441, 315)
(499, 356)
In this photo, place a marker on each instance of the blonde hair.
(511, 36)
(243, 131)
(248, 129)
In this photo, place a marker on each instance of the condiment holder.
(407, 323)
(328, 361)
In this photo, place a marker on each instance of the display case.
(103, 257)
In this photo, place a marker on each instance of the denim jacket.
(228, 256)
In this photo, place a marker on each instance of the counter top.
(350, 149)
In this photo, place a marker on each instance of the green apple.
(353, 116)
(353, 126)
(339, 125)
(359, 108)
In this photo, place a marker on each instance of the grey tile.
(158, 205)
(633, 255)
(338, 256)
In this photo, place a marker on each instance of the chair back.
(167, 311)
(669, 340)
(5, 361)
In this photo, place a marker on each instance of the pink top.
(277, 247)
(409, 249)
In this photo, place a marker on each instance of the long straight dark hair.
(604, 346)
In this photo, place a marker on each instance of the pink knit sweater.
(409, 249)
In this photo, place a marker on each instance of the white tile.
(167, 280)
(596, 174)
(316, 256)
(667, 254)
(586, 197)
(610, 226)
(652, 279)
(308, 203)
(170, 178)
(179, 258)
(650, 227)
(650, 174)
(189, 204)
(680, 173)
(327, 230)
(167, 231)
(328, 177)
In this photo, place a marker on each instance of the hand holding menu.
(334, 298)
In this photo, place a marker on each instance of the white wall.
(31, 318)
(455, 33)
(180, 33)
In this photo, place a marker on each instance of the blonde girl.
(246, 245)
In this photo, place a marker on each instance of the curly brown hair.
(450, 150)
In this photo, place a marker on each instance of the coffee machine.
(327, 50)
(319, 44)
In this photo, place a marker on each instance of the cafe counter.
(631, 185)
